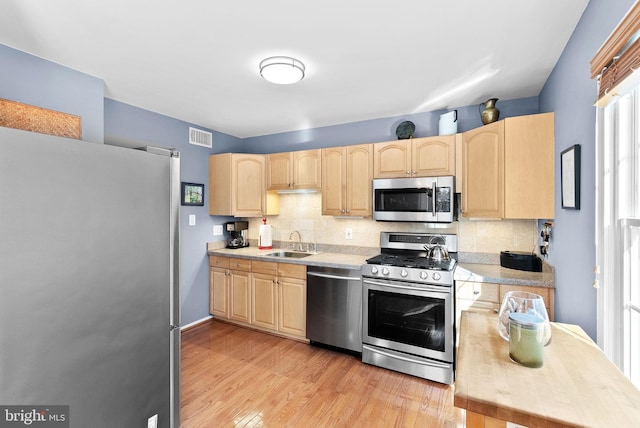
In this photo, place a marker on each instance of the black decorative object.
(405, 130)
(570, 177)
(192, 194)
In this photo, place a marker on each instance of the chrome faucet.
(299, 239)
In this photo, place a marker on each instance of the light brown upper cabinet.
(237, 185)
(416, 157)
(346, 180)
(294, 170)
(508, 169)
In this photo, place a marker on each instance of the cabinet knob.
(348, 211)
(476, 292)
(413, 172)
(408, 172)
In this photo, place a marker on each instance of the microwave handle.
(434, 189)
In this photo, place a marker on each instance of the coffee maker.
(237, 234)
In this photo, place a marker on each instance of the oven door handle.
(410, 360)
(401, 287)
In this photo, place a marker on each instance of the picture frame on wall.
(570, 177)
(192, 194)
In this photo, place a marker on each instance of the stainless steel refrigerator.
(89, 281)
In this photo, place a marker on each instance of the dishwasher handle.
(338, 277)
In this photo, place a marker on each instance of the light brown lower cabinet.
(269, 296)
(487, 296)
(230, 288)
(240, 290)
(279, 292)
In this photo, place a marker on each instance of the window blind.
(617, 59)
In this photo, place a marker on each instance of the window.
(618, 231)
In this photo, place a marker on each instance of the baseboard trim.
(195, 324)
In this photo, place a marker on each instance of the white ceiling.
(197, 60)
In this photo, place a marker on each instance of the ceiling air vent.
(200, 137)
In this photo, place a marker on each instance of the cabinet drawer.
(542, 291)
(240, 264)
(219, 261)
(478, 291)
(289, 270)
(477, 306)
(267, 268)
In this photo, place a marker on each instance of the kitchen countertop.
(576, 386)
(336, 260)
(477, 272)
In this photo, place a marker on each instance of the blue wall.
(570, 93)
(32, 80)
(377, 130)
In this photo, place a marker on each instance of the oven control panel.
(399, 273)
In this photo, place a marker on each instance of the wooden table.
(576, 386)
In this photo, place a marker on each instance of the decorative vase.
(490, 113)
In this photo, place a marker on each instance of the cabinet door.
(392, 159)
(483, 171)
(264, 301)
(359, 173)
(279, 171)
(220, 184)
(307, 169)
(334, 181)
(218, 300)
(248, 185)
(240, 296)
(292, 306)
(433, 156)
(529, 166)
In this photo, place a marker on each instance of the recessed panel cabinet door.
(433, 156)
(358, 180)
(292, 294)
(218, 298)
(240, 296)
(307, 169)
(483, 171)
(334, 181)
(392, 159)
(264, 301)
(279, 170)
(248, 185)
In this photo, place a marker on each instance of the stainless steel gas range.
(408, 305)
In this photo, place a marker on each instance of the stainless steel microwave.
(419, 199)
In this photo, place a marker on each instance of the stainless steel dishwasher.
(334, 307)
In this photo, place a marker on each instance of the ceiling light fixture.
(282, 70)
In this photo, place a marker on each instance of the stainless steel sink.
(289, 254)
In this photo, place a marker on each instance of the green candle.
(526, 339)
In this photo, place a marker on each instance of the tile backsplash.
(302, 212)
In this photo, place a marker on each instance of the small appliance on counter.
(238, 234)
(265, 236)
(520, 261)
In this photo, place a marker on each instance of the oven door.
(402, 317)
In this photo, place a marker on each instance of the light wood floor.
(237, 377)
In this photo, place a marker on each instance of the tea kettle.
(437, 252)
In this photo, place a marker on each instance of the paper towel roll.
(264, 236)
